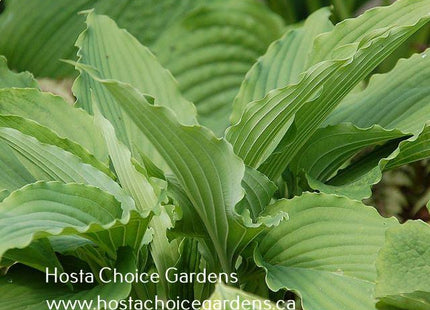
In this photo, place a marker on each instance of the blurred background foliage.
(403, 192)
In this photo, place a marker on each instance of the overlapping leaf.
(395, 100)
(324, 153)
(26, 289)
(282, 63)
(325, 251)
(53, 112)
(131, 180)
(205, 166)
(51, 163)
(38, 255)
(45, 135)
(408, 114)
(45, 209)
(265, 123)
(12, 79)
(118, 55)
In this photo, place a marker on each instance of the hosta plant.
(261, 185)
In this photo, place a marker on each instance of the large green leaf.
(404, 267)
(325, 251)
(327, 151)
(163, 252)
(45, 135)
(23, 289)
(14, 174)
(133, 182)
(48, 162)
(412, 150)
(38, 255)
(43, 209)
(118, 55)
(283, 62)
(397, 99)
(307, 103)
(353, 30)
(53, 112)
(355, 181)
(205, 166)
(12, 79)
(210, 51)
(36, 34)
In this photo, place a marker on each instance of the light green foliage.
(11, 79)
(403, 267)
(137, 177)
(326, 251)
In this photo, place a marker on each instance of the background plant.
(135, 175)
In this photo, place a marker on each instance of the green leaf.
(412, 150)
(394, 100)
(228, 298)
(185, 224)
(355, 180)
(38, 255)
(265, 123)
(404, 267)
(118, 55)
(36, 35)
(331, 147)
(12, 79)
(132, 181)
(282, 63)
(44, 209)
(45, 135)
(14, 174)
(53, 112)
(325, 251)
(355, 187)
(210, 51)
(25, 289)
(205, 166)
(165, 253)
(48, 162)
(259, 191)
(329, 45)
